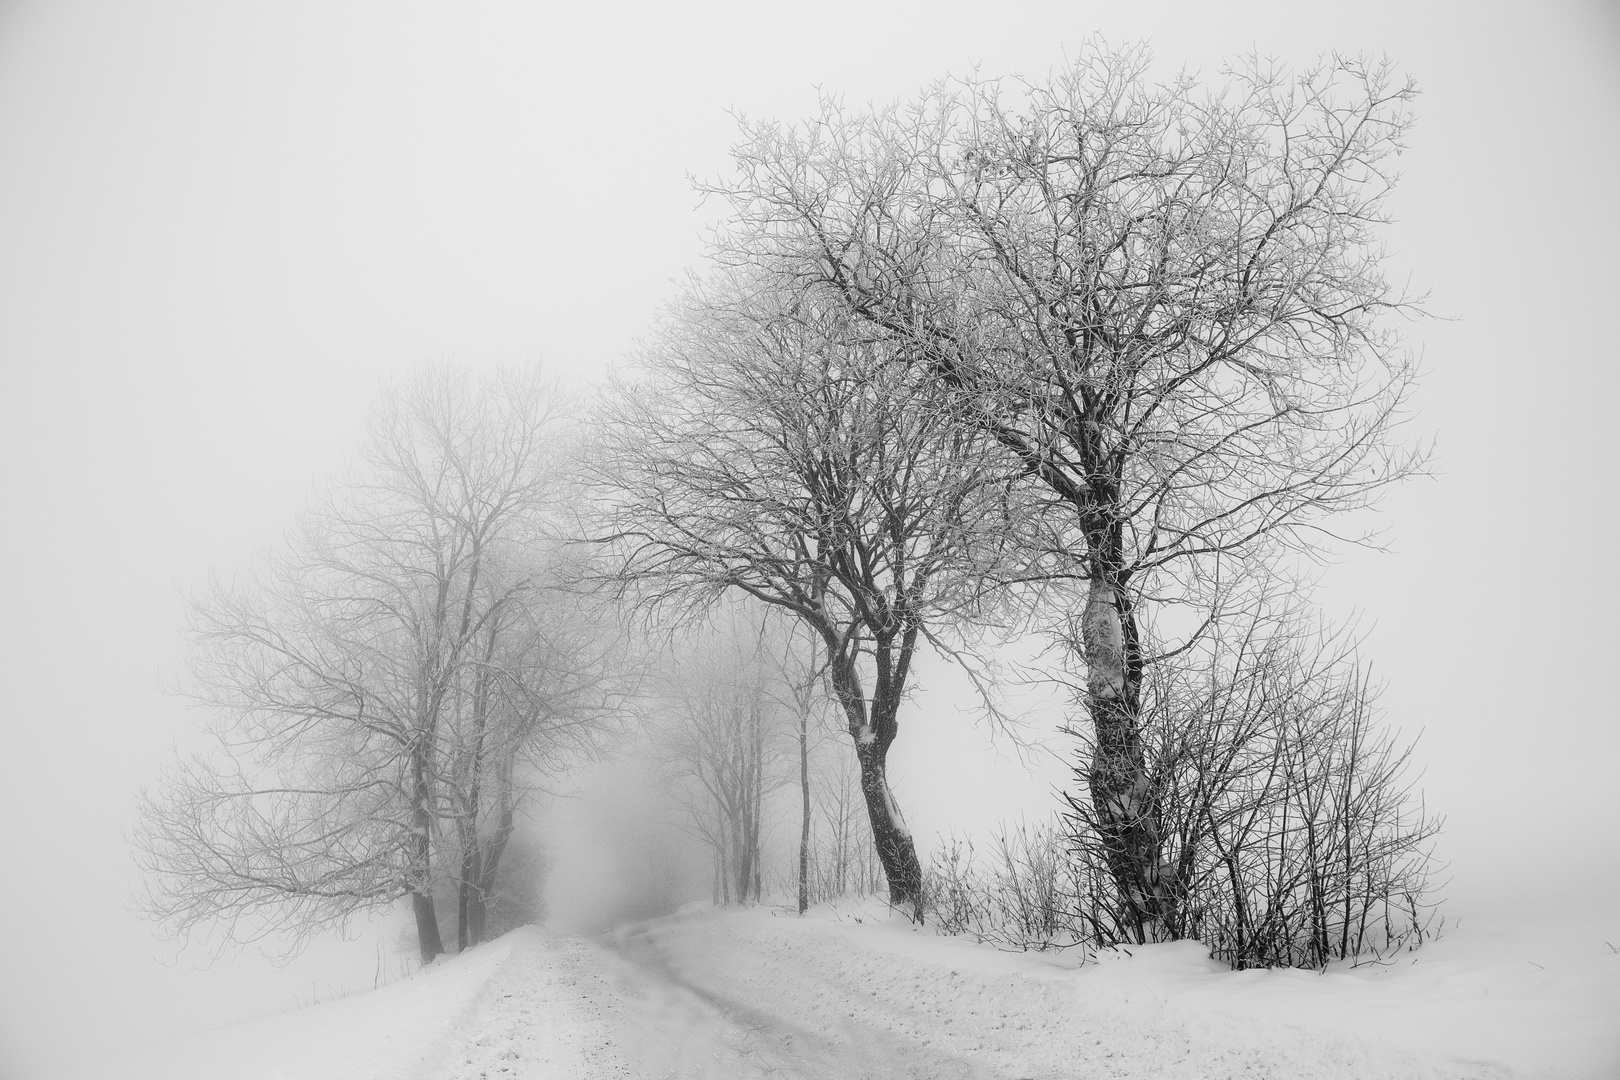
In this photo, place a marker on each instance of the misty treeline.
(386, 690)
(431, 651)
(748, 751)
(1097, 359)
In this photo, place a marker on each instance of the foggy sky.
(222, 224)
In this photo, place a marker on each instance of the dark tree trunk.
(874, 732)
(427, 926)
(895, 849)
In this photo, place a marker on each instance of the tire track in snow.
(764, 1042)
(564, 1008)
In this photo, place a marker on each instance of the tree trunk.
(895, 849)
(467, 901)
(804, 826)
(427, 926)
(1127, 812)
(489, 864)
(421, 854)
(873, 733)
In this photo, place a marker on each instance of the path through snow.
(547, 1011)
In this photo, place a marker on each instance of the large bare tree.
(774, 449)
(1167, 307)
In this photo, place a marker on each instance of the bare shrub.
(1294, 832)
(1024, 893)
(1292, 827)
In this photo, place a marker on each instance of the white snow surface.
(853, 991)
(398, 1032)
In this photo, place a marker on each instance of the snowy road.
(849, 993)
(570, 1008)
(755, 995)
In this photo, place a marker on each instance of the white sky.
(222, 224)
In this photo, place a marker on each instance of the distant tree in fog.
(726, 740)
(799, 664)
(838, 860)
(374, 690)
(774, 449)
(541, 693)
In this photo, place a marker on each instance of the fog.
(615, 852)
(221, 226)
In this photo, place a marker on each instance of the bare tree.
(365, 686)
(726, 742)
(1165, 308)
(301, 815)
(840, 861)
(802, 671)
(773, 450)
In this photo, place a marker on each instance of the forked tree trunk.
(874, 731)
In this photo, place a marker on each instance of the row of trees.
(745, 747)
(1099, 353)
(1097, 356)
(385, 691)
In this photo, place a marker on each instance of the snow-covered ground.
(851, 992)
(398, 1032)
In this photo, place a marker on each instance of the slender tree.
(771, 449)
(725, 743)
(802, 671)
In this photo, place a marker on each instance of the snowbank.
(399, 1032)
(1481, 1003)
